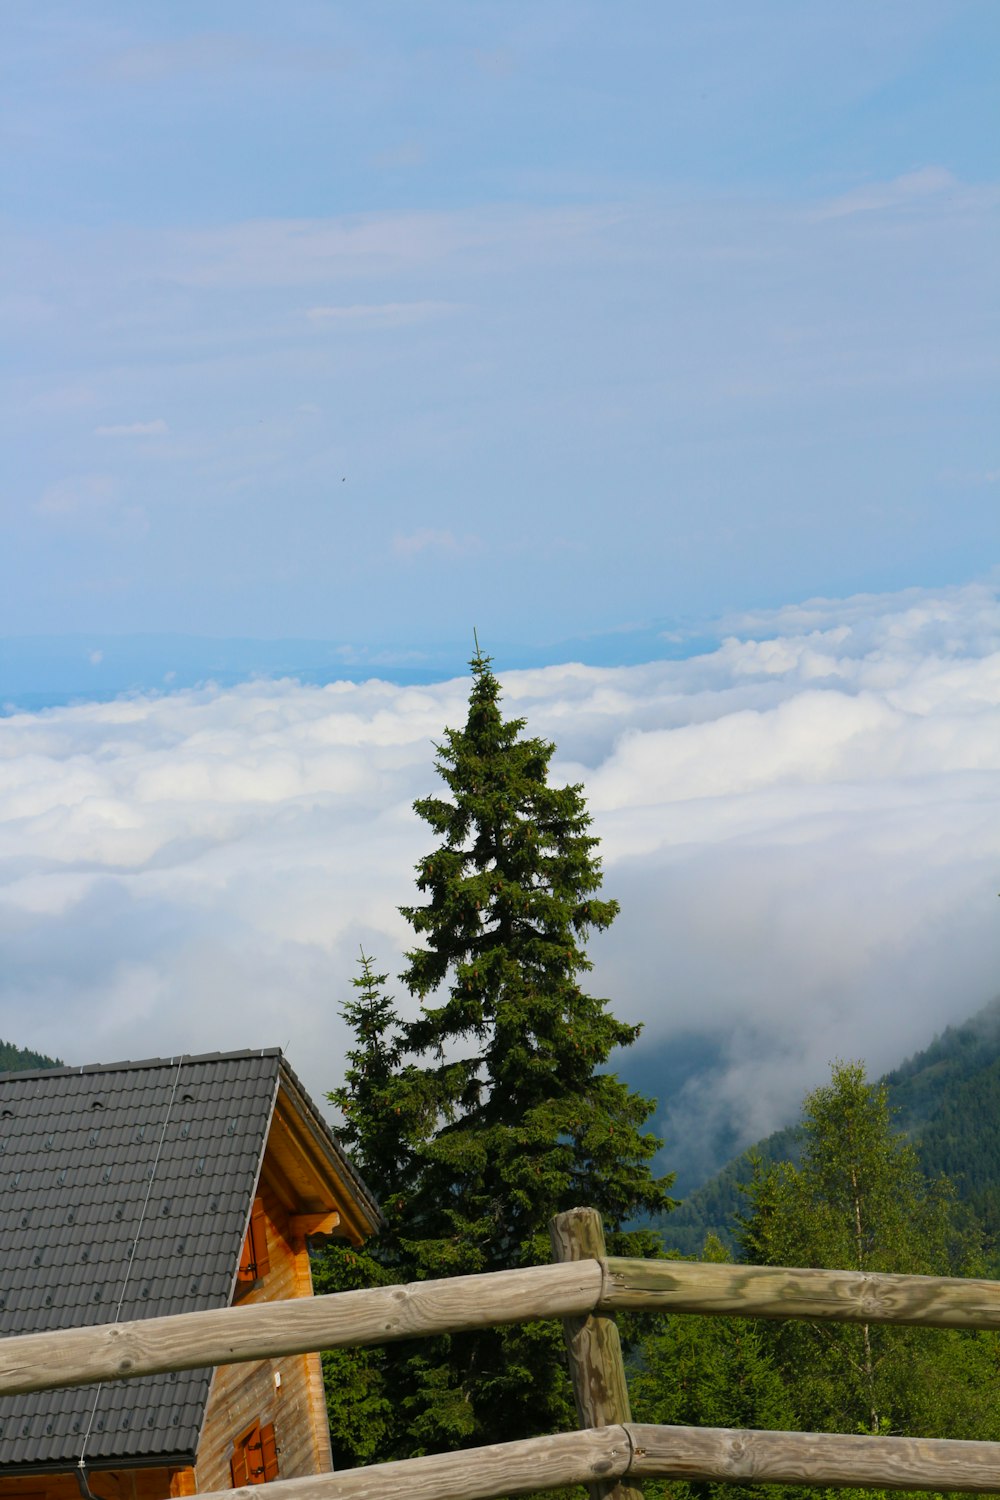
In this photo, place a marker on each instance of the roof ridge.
(126, 1065)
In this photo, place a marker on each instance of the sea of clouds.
(801, 826)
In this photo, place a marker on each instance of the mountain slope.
(946, 1099)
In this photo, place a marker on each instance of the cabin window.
(254, 1261)
(255, 1456)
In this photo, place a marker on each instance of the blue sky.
(371, 323)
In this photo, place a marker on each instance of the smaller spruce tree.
(359, 1404)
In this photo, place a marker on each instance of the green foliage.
(859, 1199)
(710, 1372)
(358, 1402)
(856, 1198)
(948, 1099)
(388, 1106)
(529, 1125)
(491, 1111)
(23, 1060)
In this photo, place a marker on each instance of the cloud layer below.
(801, 827)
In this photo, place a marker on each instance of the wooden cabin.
(134, 1190)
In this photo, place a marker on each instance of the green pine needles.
(491, 1111)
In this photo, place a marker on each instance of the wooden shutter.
(238, 1466)
(269, 1452)
(247, 1272)
(258, 1236)
(254, 1259)
(255, 1456)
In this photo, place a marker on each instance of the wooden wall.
(246, 1393)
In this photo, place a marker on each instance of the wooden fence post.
(595, 1351)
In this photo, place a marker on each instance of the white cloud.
(155, 428)
(802, 827)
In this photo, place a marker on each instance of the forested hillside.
(857, 1198)
(21, 1059)
(946, 1100)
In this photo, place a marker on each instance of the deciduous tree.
(860, 1200)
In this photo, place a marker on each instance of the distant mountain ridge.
(946, 1099)
(21, 1059)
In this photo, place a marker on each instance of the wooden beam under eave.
(304, 1225)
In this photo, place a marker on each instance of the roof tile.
(123, 1190)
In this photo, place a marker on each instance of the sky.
(368, 324)
(657, 342)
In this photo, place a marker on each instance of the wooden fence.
(584, 1288)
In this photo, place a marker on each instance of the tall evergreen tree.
(495, 1099)
(529, 1124)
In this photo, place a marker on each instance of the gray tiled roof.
(124, 1193)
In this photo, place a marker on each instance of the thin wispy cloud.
(294, 252)
(429, 541)
(156, 428)
(81, 494)
(928, 185)
(216, 53)
(407, 155)
(379, 314)
(92, 504)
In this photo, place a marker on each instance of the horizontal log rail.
(780, 1292)
(187, 1341)
(635, 1451)
(815, 1458)
(301, 1325)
